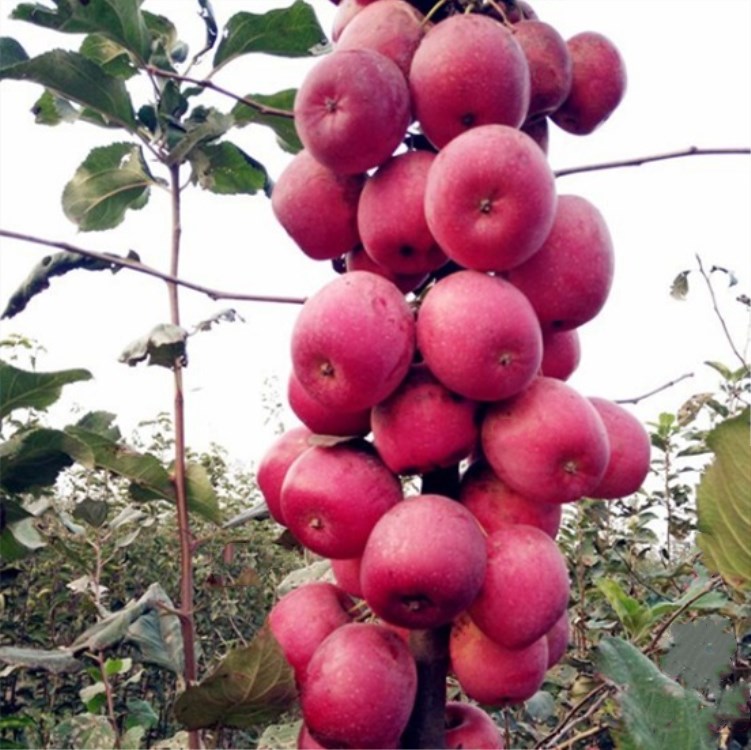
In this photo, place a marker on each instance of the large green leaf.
(11, 52)
(109, 55)
(111, 180)
(656, 712)
(75, 77)
(205, 124)
(18, 539)
(24, 389)
(724, 503)
(287, 32)
(633, 616)
(253, 685)
(226, 169)
(282, 125)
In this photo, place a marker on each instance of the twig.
(571, 724)
(133, 265)
(638, 161)
(108, 695)
(558, 729)
(637, 399)
(581, 736)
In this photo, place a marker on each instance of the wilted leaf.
(84, 731)
(225, 169)
(656, 712)
(252, 685)
(282, 125)
(159, 638)
(111, 180)
(679, 287)
(163, 345)
(230, 315)
(280, 736)
(724, 503)
(57, 661)
(287, 32)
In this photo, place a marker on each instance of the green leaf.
(109, 55)
(51, 109)
(633, 616)
(84, 731)
(114, 667)
(110, 180)
(723, 507)
(18, 539)
(24, 389)
(202, 126)
(287, 32)
(74, 77)
(132, 739)
(11, 52)
(656, 712)
(253, 685)
(282, 125)
(163, 345)
(158, 637)
(93, 512)
(57, 661)
(102, 423)
(225, 169)
(140, 713)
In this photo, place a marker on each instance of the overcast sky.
(689, 71)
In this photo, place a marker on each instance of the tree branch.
(637, 399)
(638, 161)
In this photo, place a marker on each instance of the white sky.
(689, 74)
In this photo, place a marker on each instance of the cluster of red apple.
(470, 370)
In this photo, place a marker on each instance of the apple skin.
(339, 120)
(526, 587)
(353, 341)
(391, 215)
(503, 353)
(496, 505)
(422, 426)
(317, 207)
(491, 674)
(305, 741)
(332, 497)
(322, 607)
(568, 280)
(423, 563)
(490, 198)
(537, 129)
(558, 639)
(359, 688)
(468, 726)
(346, 11)
(598, 84)
(274, 464)
(548, 443)
(630, 449)
(455, 81)
(358, 260)
(561, 353)
(347, 575)
(392, 27)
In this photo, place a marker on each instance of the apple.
(561, 353)
(558, 639)
(468, 71)
(598, 83)
(353, 341)
(391, 215)
(305, 741)
(537, 129)
(358, 260)
(340, 120)
(346, 11)
(490, 198)
(332, 497)
(323, 608)
(496, 505)
(479, 336)
(359, 688)
(347, 575)
(423, 563)
(630, 449)
(548, 442)
(526, 587)
(491, 674)
(568, 280)
(423, 426)
(468, 726)
(317, 207)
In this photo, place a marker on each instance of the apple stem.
(442, 482)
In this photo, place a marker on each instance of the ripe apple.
(332, 497)
(317, 207)
(423, 426)
(496, 505)
(358, 260)
(526, 587)
(558, 639)
(630, 449)
(322, 607)
(490, 198)
(491, 674)
(569, 278)
(598, 83)
(359, 688)
(391, 215)
(468, 726)
(479, 336)
(468, 71)
(305, 741)
(274, 463)
(353, 341)
(537, 129)
(346, 11)
(423, 563)
(548, 443)
(338, 117)
(561, 353)
(347, 575)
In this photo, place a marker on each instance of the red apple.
(347, 575)
(358, 260)
(359, 688)
(558, 638)
(340, 120)
(468, 726)
(305, 741)
(537, 129)
(353, 341)
(561, 353)
(547, 443)
(479, 336)
(490, 198)
(468, 71)
(346, 11)
(423, 563)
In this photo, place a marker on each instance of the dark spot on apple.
(468, 119)
(406, 251)
(416, 603)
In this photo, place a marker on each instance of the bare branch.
(637, 399)
(638, 161)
